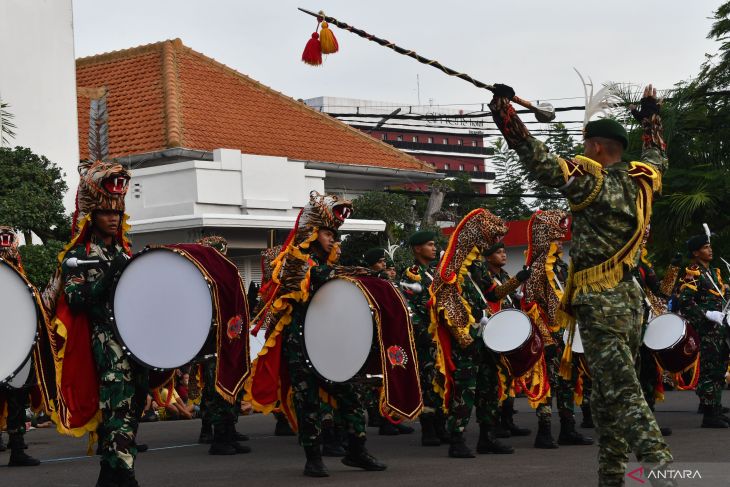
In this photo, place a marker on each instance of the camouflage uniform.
(120, 380)
(421, 320)
(306, 383)
(215, 410)
(698, 295)
(609, 314)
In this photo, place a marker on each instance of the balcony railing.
(489, 175)
(466, 149)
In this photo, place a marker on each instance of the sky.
(528, 44)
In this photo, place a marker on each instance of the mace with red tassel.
(324, 42)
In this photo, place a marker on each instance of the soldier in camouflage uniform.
(218, 416)
(495, 275)
(415, 281)
(701, 300)
(17, 399)
(600, 293)
(88, 290)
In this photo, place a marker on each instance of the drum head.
(664, 331)
(18, 322)
(163, 309)
(21, 378)
(507, 330)
(338, 330)
(256, 344)
(577, 342)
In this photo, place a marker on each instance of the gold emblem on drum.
(234, 327)
(690, 347)
(397, 356)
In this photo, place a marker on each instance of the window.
(430, 140)
(445, 141)
(461, 167)
(414, 138)
(474, 168)
(399, 138)
(446, 167)
(383, 136)
(473, 143)
(459, 141)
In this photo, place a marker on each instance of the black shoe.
(127, 479)
(544, 438)
(314, 466)
(331, 444)
(440, 425)
(206, 433)
(18, 457)
(239, 436)
(568, 434)
(221, 445)
(231, 435)
(502, 430)
(428, 430)
(711, 418)
(358, 457)
(665, 431)
(725, 410)
(282, 428)
(404, 429)
(388, 429)
(507, 422)
(488, 442)
(458, 448)
(142, 447)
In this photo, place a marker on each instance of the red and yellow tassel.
(322, 42)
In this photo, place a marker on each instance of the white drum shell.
(507, 330)
(163, 309)
(664, 331)
(23, 375)
(338, 330)
(18, 323)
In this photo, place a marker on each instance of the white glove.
(412, 286)
(483, 322)
(716, 316)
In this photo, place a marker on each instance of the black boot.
(220, 444)
(141, 447)
(458, 448)
(665, 431)
(387, 428)
(428, 430)
(331, 446)
(231, 435)
(404, 429)
(239, 436)
(358, 457)
(127, 479)
(488, 442)
(544, 438)
(711, 418)
(2, 445)
(501, 430)
(18, 457)
(314, 466)
(282, 427)
(587, 421)
(568, 434)
(507, 421)
(108, 477)
(206, 433)
(440, 425)
(374, 418)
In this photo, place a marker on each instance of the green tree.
(510, 181)
(6, 126)
(40, 262)
(31, 195)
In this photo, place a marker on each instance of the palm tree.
(6, 126)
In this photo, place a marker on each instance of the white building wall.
(38, 80)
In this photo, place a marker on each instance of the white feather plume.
(599, 103)
(390, 250)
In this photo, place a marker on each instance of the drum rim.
(308, 361)
(532, 331)
(681, 337)
(125, 349)
(39, 315)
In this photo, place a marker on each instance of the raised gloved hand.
(524, 274)
(649, 105)
(716, 316)
(676, 260)
(503, 91)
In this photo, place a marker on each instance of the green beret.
(493, 248)
(696, 243)
(373, 255)
(421, 237)
(607, 128)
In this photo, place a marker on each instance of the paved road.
(175, 460)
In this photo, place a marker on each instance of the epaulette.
(413, 273)
(693, 270)
(638, 169)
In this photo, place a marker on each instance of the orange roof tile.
(166, 95)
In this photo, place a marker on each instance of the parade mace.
(324, 42)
